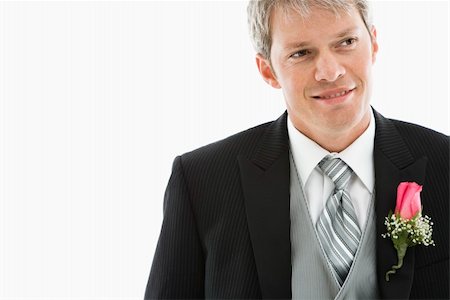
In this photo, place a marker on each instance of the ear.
(266, 72)
(373, 35)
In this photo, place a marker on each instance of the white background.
(97, 99)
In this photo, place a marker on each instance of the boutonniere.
(406, 226)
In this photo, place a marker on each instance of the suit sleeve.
(178, 265)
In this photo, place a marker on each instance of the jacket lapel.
(393, 164)
(265, 182)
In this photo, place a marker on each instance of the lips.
(335, 93)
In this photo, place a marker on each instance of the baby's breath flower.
(419, 230)
(405, 233)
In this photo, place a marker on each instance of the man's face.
(323, 64)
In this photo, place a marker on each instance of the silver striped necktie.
(337, 227)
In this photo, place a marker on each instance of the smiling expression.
(323, 64)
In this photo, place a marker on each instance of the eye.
(348, 42)
(300, 53)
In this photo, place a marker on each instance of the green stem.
(401, 251)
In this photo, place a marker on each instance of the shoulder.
(425, 142)
(422, 139)
(225, 151)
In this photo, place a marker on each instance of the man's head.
(320, 53)
(259, 16)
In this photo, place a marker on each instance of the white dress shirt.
(318, 187)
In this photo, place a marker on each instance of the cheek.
(362, 73)
(366, 74)
(365, 64)
(296, 84)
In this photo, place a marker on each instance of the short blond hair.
(259, 12)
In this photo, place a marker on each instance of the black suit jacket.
(226, 227)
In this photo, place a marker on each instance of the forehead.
(287, 24)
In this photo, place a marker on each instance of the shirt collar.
(359, 155)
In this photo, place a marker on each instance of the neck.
(334, 140)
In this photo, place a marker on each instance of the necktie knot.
(337, 170)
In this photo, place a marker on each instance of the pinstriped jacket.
(226, 226)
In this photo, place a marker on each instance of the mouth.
(333, 94)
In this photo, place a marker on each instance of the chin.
(343, 123)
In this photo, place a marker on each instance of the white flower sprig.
(405, 233)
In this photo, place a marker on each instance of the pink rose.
(408, 200)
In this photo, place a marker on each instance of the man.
(295, 208)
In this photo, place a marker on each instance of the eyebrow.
(341, 34)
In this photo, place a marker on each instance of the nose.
(328, 68)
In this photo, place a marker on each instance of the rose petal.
(400, 192)
(416, 205)
(408, 199)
